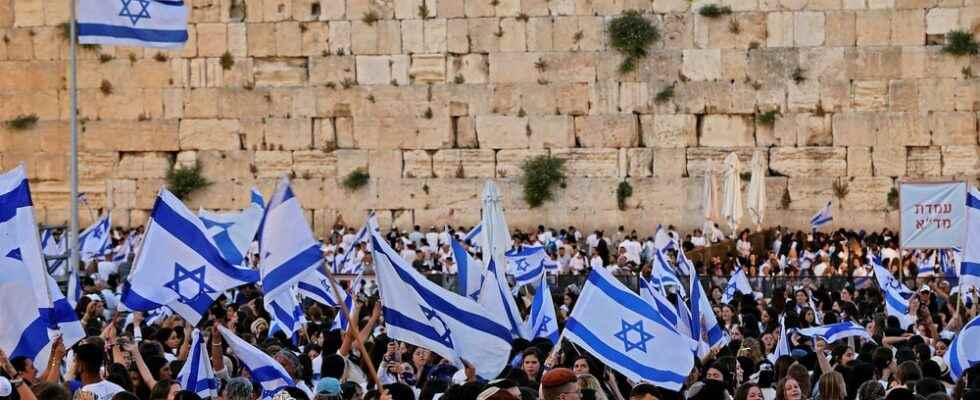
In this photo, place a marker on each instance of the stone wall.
(433, 106)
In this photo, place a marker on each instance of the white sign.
(933, 214)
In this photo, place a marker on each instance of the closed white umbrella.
(495, 237)
(732, 206)
(710, 196)
(757, 191)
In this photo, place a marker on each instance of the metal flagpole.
(73, 93)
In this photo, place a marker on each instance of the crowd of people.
(138, 355)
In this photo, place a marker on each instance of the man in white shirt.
(432, 238)
(416, 236)
(89, 359)
(596, 261)
(593, 240)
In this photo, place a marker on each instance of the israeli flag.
(286, 313)
(315, 286)
(624, 332)
(95, 241)
(684, 265)
(420, 312)
(662, 272)
(475, 236)
(821, 218)
(704, 323)
(684, 327)
(255, 197)
(53, 247)
(895, 293)
(526, 264)
(261, 367)
(233, 232)
(661, 238)
(340, 321)
(33, 309)
(925, 268)
(344, 265)
(141, 23)
(496, 298)
(782, 345)
(179, 265)
(288, 248)
(834, 332)
(469, 273)
(739, 282)
(947, 266)
(970, 263)
(964, 351)
(656, 297)
(197, 376)
(543, 322)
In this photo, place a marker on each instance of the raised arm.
(141, 365)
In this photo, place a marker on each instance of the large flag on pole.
(31, 304)
(264, 369)
(970, 264)
(197, 376)
(233, 232)
(142, 23)
(964, 351)
(543, 322)
(822, 217)
(526, 264)
(469, 270)
(704, 323)
(739, 282)
(420, 312)
(895, 294)
(834, 332)
(624, 332)
(179, 265)
(96, 241)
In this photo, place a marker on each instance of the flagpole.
(73, 164)
(352, 325)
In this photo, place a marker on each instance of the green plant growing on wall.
(785, 200)
(712, 10)
(767, 118)
(664, 95)
(423, 11)
(160, 57)
(22, 122)
(631, 35)
(840, 189)
(892, 199)
(227, 61)
(182, 181)
(356, 179)
(370, 17)
(960, 43)
(623, 192)
(540, 175)
(104, 58)
(106, 87)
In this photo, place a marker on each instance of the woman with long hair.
(831, 386)
(788, 389)
(749, 391)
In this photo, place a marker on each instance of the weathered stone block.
(870, 95)
(809, 161)
(727, 131)
(939, 21)
(159, 135)
(699, 159)
(463, 163)
(953, 128)
(669, 162)
(280, 72)
(702, 65)
(607, 131)
(669, 131)
(925, 161)
(273, 164)
(551, 131)
(418, 164)
(289, 133)
(873, 28)
(859, 161)
(428, 68)
(501, 132)
(143, 166)
(866, 193)
(809, 28)
(333, 69)
(590, 163)
(961, 160)
(374, 70)
(210, 134)
(509, 161)
(888, 160)
(640, 162)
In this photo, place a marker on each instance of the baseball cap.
(329, 386)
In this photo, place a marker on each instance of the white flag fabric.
(964, 351)
(495, 297)
(663, 274)
(420, 312)
(345, 265)
(782, 345)
(179, 265)
(495, 292)
(657, 298)
(542, 321)
(469, 270)
(757, 190)
(970, 264)
(52, 246)
(287, 246)
(262, 368)
(704, 323)
(32, 307)
(739, 282)
(616, 326)
(316, 286)
(197, 375)
(286, 313)
(95, 241)
(526, 264)
(895, 294)
(834, 332)
(340, 321)
(233, 232)
(822, 217)
(143, 23)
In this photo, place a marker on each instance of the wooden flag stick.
(352, 324)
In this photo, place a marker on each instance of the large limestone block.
(698, 158)
(925, 161)
(866, 193)
(91, 166)
(669, 130)
(218, 195)
(702, 65)
(418, 164)
(381, 37)
(469, 68)
(640, 162)
(333, 69)
(514, 67)
(810, 193)
(210, 134)
(888, 160)
(350, 160)
(859, 161)
(144, 165)
(464, 163)
(315, 164)
(870, 95)
(385, 163)
(953, 128)
(273, 164)
(813, 130)
(939, 21)
(45, 136)
(289, 133)
(727, 131)
(551, 131)
(509, 161)
(607, 130)
(908, 28)
(374, 70)
(961, 160)
(279, 72)
(669, 163)
(502, 132)
(155, 135)
(809, 28)
(226, 164)
(873, 28)
(590, 163)
(428, 68)
(809, 161)
(873, 62)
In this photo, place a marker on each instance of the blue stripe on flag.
(32, 340)
(18, 197)
(405, 322)
(897, 304)
(969, 268)
(291, 268)
(123, 32)
(618, 357)
(972, 201)
(628, 300)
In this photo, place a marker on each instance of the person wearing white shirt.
(89, 359)
(444, 236)
(698, 239)
(593, 240)
(596, 261)
(577, 263)
(432, 238)
(409, 254)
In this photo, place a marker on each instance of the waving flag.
(683, 263)
(704, 323)
(420, 312)
(475, 236)
(925, 267)
(662, 272)
(822, 217)
(895, 293)
(344, 265)
(655, 296)
(233, 232)
(782, 345)
(739, 282)
(288, 248)
(286, 313)
(340, 321)
(469, 270)
(316, 286)
(263, 369)
(52, 247)
(143, 23)
(526, 264)
(543, 322)
(197, 376)
(624, 332)
(970, 264)
(95, 241)
(495, 297)
(32, 307)
(834, 332)
(179, 265)
(947, 266)
(661, 238)
(964, 351)
(255, 197)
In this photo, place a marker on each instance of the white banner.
(933, 214)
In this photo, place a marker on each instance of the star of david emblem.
(98, 232)
(730, 290)
(544, 326)
(624, 335)
(431, 315)
(140, 14)
(221, 225)
(893, 283)
(523, 265)
(189, 285)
